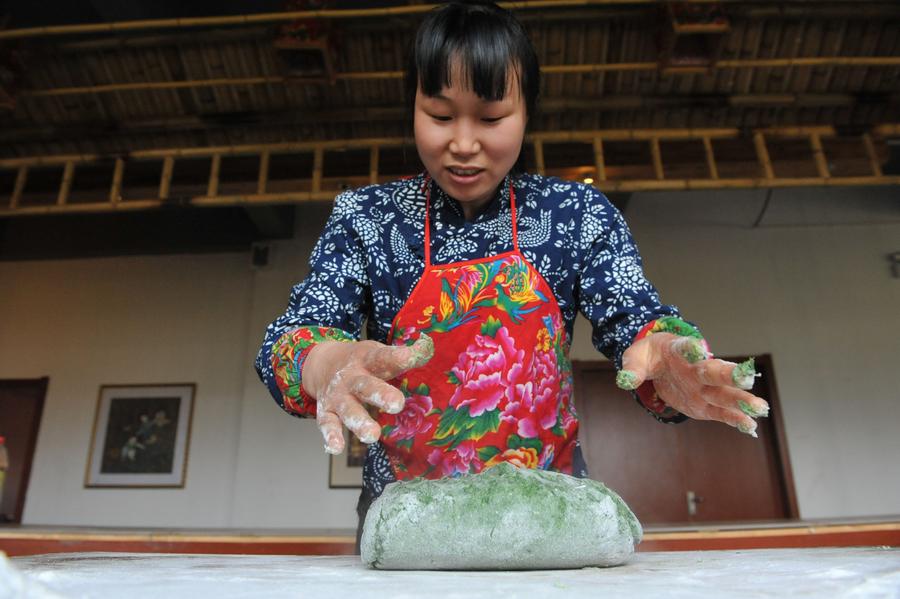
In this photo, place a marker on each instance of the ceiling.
(112, 78)
(91, 118)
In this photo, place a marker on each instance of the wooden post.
(21, 179)
(599, 161)
(318, 161)
(374, 155)
(762, 154)
(212, 188)
(873, 155)
(710, 158)
(66, 186)
(819, 154)
(115, 190)
(657, 159)
(165, 182)
(263, 180)
(539, 156)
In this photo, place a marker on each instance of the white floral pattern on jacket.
(371, 254)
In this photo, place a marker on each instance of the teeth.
(465, 171)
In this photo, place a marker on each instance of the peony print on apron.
(499, 387)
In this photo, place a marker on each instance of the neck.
(471, 209)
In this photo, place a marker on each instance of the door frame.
(765, 364)
(41, 385)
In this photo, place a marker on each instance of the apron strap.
(515, 226)
(427, 191)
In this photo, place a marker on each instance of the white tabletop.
(828, 572)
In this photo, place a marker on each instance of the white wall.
(85, 323)
(811, 286)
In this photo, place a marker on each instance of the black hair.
(486, 40)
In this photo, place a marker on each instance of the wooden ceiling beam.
(347, 14)
(214, 36)
(589, 137)
(398, 114)
(675, 167)
(287, 16)
(826, 61)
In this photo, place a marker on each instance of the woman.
(470, 277)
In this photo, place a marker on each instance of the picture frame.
(141, 436)
(345, 470)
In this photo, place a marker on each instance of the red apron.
(499, 387)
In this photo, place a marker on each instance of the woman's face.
(468, 144)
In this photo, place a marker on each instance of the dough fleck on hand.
(749, 410)
(743, 375)
(627, 380)
(422, 351)
(690, 349)
(748, 430)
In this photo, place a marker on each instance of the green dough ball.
(505, 518)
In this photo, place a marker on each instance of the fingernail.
(626, 379)
(370, 434)
(691, 349)
(422, 351)
(748, 430)
(390, 407)
(743, 374)
(331, 443)
(749, 410)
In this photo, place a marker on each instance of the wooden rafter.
(317, 187)
(280, 17)
(571, 69)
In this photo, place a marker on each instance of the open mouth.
(464, 171)
(464, 175)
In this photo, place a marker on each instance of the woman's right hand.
(343, 376)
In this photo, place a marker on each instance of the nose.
(465, 140)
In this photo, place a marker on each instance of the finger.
(744, 374)
(734, 418)
(721, 373)
(644, 360)
(357, 419)
(689, 348)
(330, 427)
(637, 364)
(378, 393)
(699, 407)
(677, 398)
(387, 362)
(736, 399)
(689, 401)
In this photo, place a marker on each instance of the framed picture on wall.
(346, 469)
(141, 436)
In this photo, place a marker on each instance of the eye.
(440, 117)
(495, 119)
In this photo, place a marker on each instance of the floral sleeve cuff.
(288, 355)
(646, 393)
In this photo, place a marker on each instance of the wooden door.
(21, 405)
(691, 472)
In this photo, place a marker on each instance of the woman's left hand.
(689, 381)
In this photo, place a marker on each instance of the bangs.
(476, 56)
(479, 44)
